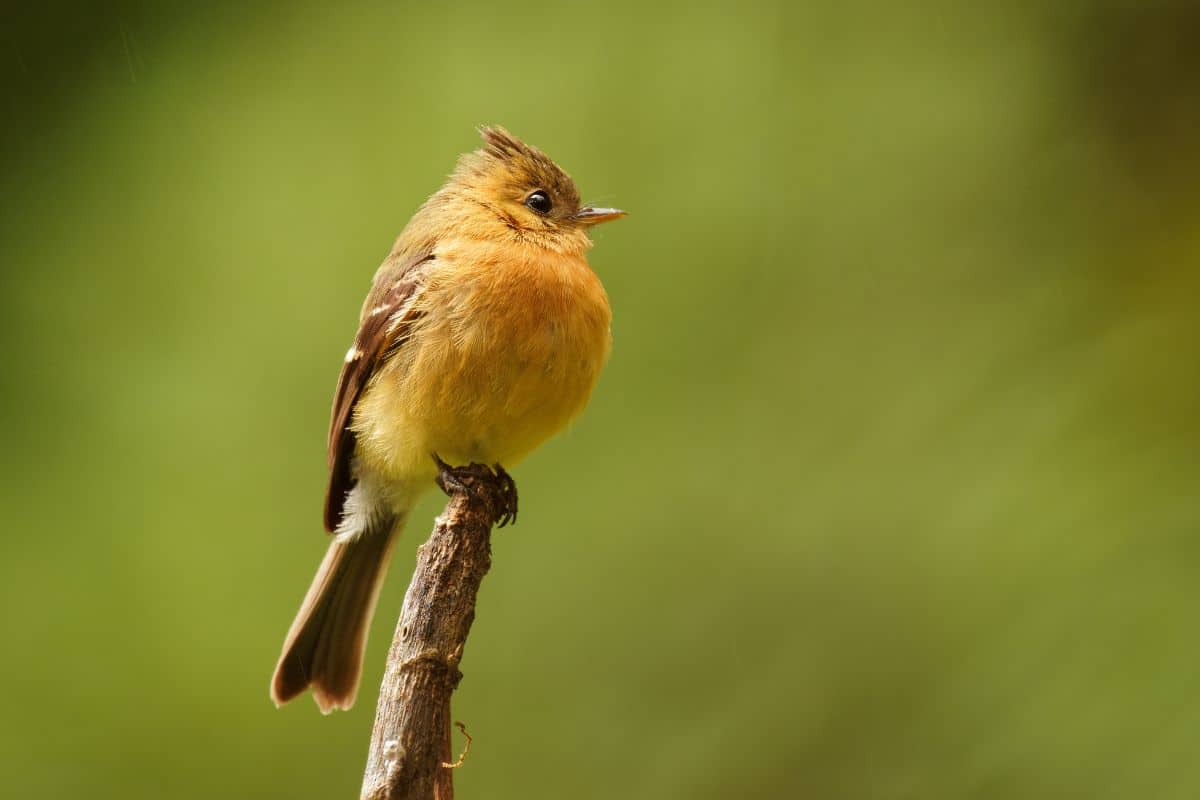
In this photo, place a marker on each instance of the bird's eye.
(539, 201)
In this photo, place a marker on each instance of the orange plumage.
(483, 335)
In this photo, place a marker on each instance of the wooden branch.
(410, 743)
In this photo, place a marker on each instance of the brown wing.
(386, 315)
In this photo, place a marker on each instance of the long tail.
(324, 648)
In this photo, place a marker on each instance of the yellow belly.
(504, 354)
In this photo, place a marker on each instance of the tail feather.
(324, 648)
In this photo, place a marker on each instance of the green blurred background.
(889, 491)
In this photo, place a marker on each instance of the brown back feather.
(386, 315)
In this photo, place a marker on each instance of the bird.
(483, 334)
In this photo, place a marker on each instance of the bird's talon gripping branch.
(492, 485)
(448, 479)
(461, 480)
(508, 497)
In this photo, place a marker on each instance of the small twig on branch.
(410, 756)
(462, 757)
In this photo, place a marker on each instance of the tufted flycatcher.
(482, 336)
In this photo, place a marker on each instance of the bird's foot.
(508, 497)
(494, 487)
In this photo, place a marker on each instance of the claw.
(492, 485)
(508, 490)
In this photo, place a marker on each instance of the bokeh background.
(889, 491)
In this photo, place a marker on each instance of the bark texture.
(410, 742)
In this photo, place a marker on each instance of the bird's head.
(508, 190)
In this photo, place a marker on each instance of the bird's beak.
(594, 216)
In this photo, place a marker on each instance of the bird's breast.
(505, 351)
